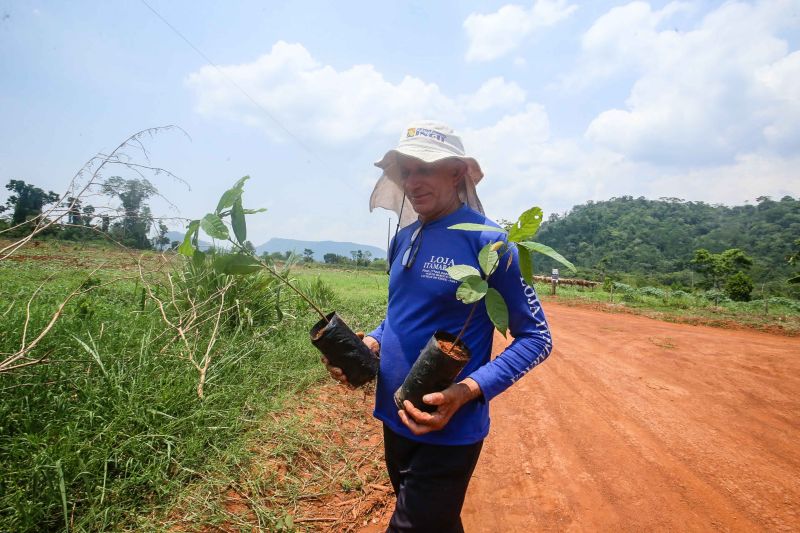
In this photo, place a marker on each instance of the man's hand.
(448, 401)
(371, 343)
(336, 372)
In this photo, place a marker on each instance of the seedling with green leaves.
(243, 261)
(475, 283)
(331, 335)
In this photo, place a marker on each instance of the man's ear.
(458, 178)
(460, 171)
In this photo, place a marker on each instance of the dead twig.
(11, 362)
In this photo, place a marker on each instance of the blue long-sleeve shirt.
(422, 300)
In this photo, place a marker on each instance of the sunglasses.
(413, 248)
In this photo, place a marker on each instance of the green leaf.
(476, 227)
(186, 247)
(231, 195)
(459, 272)
(487, 259)
(232, 264)
(795, 279)
(254, 211)
(527, 225)
(549, 252)
(497, 310)
(526, 265)
(238, 222)
(472, 289)
(62, 488)
(214, 227)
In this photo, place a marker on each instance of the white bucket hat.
(428, 141)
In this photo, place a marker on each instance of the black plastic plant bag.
(345, 350)
(433, 371)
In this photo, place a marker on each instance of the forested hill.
(656, 239)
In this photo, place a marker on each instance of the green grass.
(360, 294)
(112, 428)
(349, 284)
(781, 314)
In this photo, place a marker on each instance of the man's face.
(432, 188)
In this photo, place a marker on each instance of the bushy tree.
(136, 220)
(79, 220)
(162, 240)
(27, 201)
(738, 287)
(335, 259)
(718, 268)
(795, 258)
(361, 258)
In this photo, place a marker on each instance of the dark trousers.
(430, 482)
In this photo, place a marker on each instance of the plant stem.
(472, 311)
(464, 327)
(284, 280)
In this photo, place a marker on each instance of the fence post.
(554, 279)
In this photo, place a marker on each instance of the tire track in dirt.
(636, 424)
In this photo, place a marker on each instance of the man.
(431, 456)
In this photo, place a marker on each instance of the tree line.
(358, 258)
(658, 241)
(131, 223)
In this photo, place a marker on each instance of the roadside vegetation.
(776, 314)
(109, 424)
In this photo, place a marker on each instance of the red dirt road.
(639, 425)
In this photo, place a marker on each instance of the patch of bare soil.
(639, 425)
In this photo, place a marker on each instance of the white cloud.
(748, 177)
(672, 107)
(780, 82)
(621, 40)
(526, 166)
(494, 93)
(316, 101)
(704, 96)
(496, 34)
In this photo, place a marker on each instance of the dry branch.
(86, 183)
(80, 186)
(11, 361)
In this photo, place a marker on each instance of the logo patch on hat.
(425, 132)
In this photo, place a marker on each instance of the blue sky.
(561, 102)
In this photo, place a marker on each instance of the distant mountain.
(178, 236)
(320, 248)
(291, 245)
